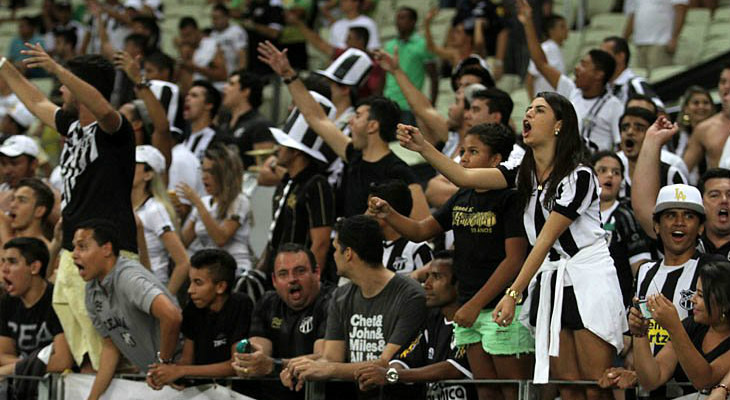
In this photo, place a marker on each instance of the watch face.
(391, 375)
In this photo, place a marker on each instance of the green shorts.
(514, 339)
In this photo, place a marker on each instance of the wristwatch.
(291, 79)
(391, 376)
(144, 83)
(161, 360)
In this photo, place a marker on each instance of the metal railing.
(51, 386)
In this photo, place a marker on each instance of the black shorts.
(570, 319)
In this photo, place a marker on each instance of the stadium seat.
(642, 72)
(661, 73)
(509, 82)
(697, 16)
(721, 14)
(714, 47)
(718, 29)
(613, 22)
(598, 7)
(521, 101)
(571, 47)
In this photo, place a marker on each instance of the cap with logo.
(679, 196)
(350, 68)
(17, 145)
(298, 135)
(149, 155)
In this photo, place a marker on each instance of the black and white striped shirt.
(576, 198)
(403, 256)
(168, 94)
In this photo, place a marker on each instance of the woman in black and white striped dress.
(575, 273)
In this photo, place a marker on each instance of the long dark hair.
(715, 277)
(570, 151)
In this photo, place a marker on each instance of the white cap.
(17, 145)
(679, 196)
(149, 155)
(136, 4)
(471, 89)
(20, 114)
(350, 68)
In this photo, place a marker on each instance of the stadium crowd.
(588, 240)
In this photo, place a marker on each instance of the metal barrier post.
(44, 387)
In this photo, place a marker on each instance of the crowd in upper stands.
(408, 243)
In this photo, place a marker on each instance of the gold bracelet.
(515, 295)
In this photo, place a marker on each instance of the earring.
(557, 132)
(722, 318)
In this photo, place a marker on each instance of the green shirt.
(412, 55)
(291, 34)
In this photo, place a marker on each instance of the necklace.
(541, 179)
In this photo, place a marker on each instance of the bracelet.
(723, 386)
(161, 360)
(515, 295)
(292, 79)
(2, 62)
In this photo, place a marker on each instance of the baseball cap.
(20, 114)
(679, 196)
(17, 145)
(149, 155)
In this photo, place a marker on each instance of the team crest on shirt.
(291, 201)
(128, 339)
(685, 299)
(400, 263)
(306, 325)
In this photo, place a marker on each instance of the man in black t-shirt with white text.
(97, 167)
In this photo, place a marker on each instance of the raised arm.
(435, 126)
(551, 74)
(643, 200)
(308, 107)
(695, 149)
(107, 117)
(439, 51)
(310, 36)
(478, 178)
(411, 229)
(28, 93)
(161, 136)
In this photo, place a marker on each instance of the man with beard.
(97, 166)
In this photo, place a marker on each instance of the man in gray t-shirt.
(369, 319)
(128, 306)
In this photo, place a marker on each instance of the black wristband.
(292, 79)
(277, 365)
